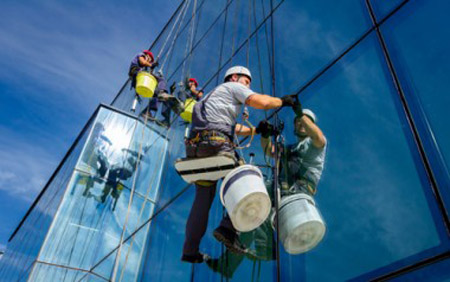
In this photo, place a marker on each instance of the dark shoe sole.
(229, 245)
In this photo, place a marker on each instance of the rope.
(267, 38)
(203, 37)
(153, 178)
(169, 35)
(258, 54)
(133, 188)
(169, 51)
(277, 156)
(249, 24)
(243, 44)
(195, 36)
(189, 43)
(223, 38)
(234, 30)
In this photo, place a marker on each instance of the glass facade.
(373, 72)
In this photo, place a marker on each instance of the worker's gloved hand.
(155, 64)
(264, 128)
(288, 100)
(298, 109)
(173, 87)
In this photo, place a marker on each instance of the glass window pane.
(419, 44)
(373, 191)
(309, 34)
(383, 8)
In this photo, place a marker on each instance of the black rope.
(277, 153)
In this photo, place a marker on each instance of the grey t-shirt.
(305, 161)
(225, 102)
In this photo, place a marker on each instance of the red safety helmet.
(194, 81)
(149, 53)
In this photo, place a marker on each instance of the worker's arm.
(263, 102)
(143, 62)
(244, 130)
(314, 132)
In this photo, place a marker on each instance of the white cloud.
(62, 59)
(81, 54)
(24, 168)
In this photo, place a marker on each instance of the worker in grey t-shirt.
(302, 162)
(213, 128)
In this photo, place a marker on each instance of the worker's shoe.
(230, 239)
(197, 258)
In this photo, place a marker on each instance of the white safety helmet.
(237, 70)
(310, 114)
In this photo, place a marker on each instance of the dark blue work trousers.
(204, 196)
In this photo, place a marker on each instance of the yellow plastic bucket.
(145, 84)
(188, 109)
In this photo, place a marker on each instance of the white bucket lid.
(305, 236)
(245, 194)
(233, 173)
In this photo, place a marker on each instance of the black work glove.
(297, 107)
(288, 100)
(173, 87)
(154, 65)
(264, 128)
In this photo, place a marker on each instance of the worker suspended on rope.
(189, 94)
(190, 90)
(213, 128)
(144, 61)
(303, 161)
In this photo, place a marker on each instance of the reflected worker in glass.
(301, 226)
(303, 161)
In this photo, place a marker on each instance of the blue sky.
(58, 61)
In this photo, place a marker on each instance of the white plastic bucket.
(245, 197)
(301, 225)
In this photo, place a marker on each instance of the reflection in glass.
(373, 190)
(115, 161)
